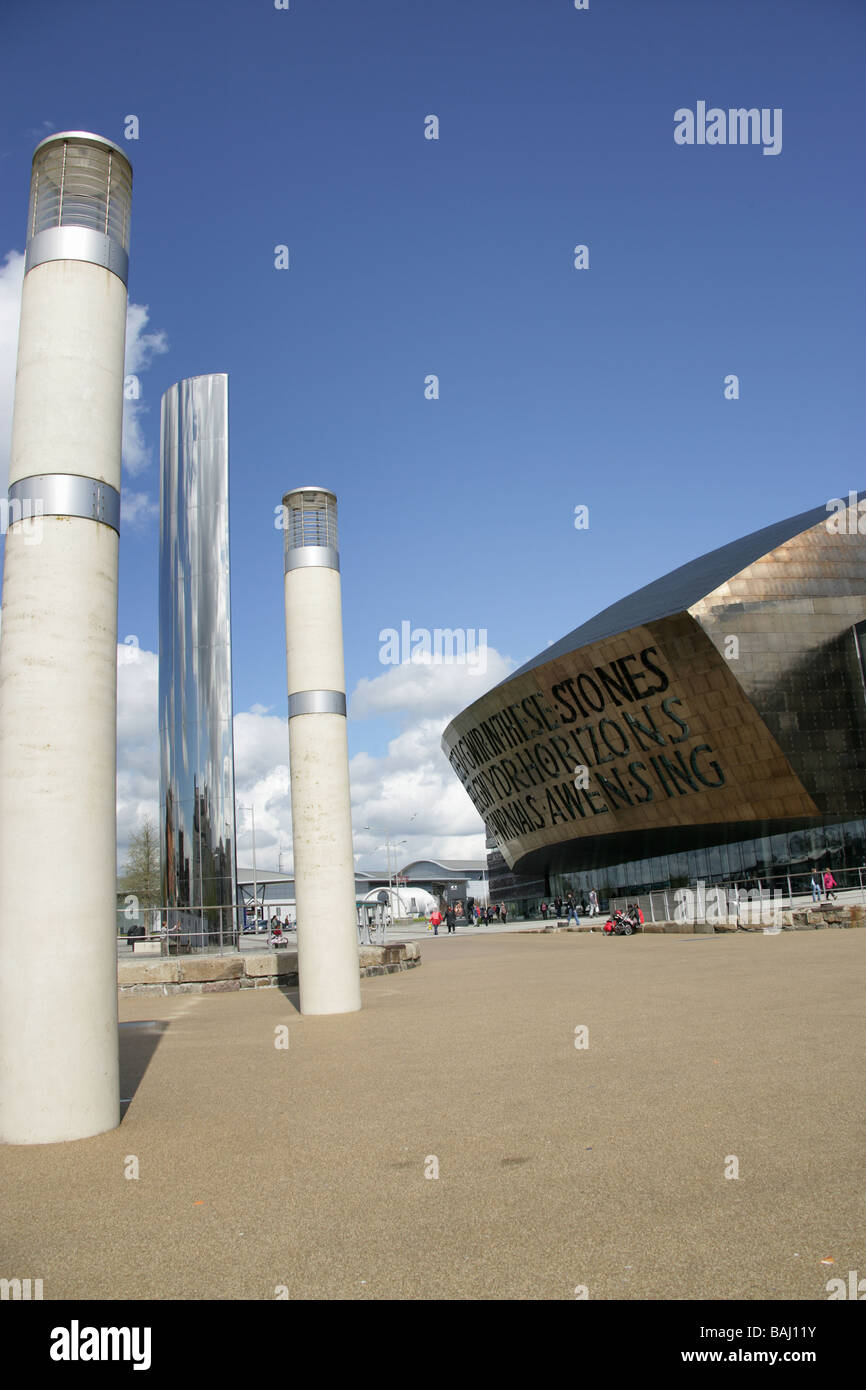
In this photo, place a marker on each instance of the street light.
(252, 811)
(387, 848)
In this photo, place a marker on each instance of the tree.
(140, 874)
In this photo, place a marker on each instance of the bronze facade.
(723, 702)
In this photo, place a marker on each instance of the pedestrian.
(571, 906)
(544, 912)
(593, 903)
(829, 885)
(816, 886)
(450, 920)
(557, 907)
(436, 921)
(503, 913)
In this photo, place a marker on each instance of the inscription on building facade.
(620, 721)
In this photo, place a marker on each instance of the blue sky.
(558, 387)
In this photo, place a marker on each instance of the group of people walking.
(825, 881)
(480, 916)
(570, 908)
(475, 916)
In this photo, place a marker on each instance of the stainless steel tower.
(58, 655)
(197, 780)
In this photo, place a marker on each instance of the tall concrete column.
(58, 652)
(328, 965)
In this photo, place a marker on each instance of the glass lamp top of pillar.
(80, 180)
(310, 518)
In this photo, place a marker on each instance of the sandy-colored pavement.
(558, 1166)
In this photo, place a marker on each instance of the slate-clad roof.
(675, 592)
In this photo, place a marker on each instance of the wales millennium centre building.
(709, 727)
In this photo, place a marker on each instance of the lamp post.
(396, 883)
(252, 811)
(328, 965)
(392, 878)
(58, 657)
(393, 884)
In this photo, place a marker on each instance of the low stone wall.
(649, 928)
(813, 918)
(252, 970)
(823, 915)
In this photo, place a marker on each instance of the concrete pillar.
(58, 653)
(328, 965)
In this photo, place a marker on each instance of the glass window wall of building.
(782, 861)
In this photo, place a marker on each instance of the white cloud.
(425, 687)
(39, 132)
(137, 509)
(137, 741)
(409, 793)
(262, 781)
(141, 348)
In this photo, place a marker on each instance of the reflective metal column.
(195, 675)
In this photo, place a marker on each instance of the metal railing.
(168, 931)
(165, 931)
(742, 896)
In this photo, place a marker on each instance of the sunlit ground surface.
(558, 1166)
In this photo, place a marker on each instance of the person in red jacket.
(436, 921)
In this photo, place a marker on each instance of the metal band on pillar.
(324, 556)
(77, 244)
(317, 702)
(65, 494)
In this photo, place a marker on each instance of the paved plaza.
(558, 1166)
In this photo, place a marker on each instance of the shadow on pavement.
(138, 1042)
(293, 994)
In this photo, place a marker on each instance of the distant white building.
(419, 887)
